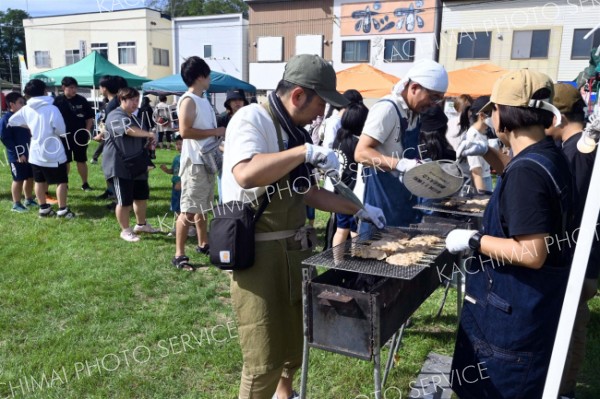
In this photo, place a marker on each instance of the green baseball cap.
(313, 72)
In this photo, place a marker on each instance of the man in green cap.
(269, 156)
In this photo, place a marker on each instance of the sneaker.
(171, 233)
(46, 212)
(129, 235)
(145, 228)
(31, 203)
(105, 195)
(65, 213)
(86, 187)
(94, 161)
(203, 250)
(19, 208)
(51, 200)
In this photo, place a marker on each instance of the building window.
(582, 48)
(72, 56)
(355, 51)
(473, 45)
(399, 50)
(530, 44)
(42, 59)
(126, 52)
(207, 51)
(161, 57)
(101, 48)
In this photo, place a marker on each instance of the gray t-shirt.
(117, 123)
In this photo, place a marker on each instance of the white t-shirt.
(478, 161)
(332, 125)
(205, 119)
(383, 125)
(249, 132)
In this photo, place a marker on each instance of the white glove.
(458, 240)
(321, 157)
(372, 214)
(404, 165)
(472, 146)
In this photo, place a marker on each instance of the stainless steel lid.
(435, 179)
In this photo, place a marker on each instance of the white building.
(389, 35)
(535, 34)
(137, 40)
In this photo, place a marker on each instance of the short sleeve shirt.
(250, 132)
(383, 125)
(529, 203)
(75, 111)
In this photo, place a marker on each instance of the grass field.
(84, 314)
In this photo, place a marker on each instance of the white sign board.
(269, 48)
(309, 44)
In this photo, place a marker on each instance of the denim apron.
(510, 315)
(384, 190)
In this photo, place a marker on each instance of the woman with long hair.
(515, 282)
(353, 121)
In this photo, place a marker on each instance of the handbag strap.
(265, 201)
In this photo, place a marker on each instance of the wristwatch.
(475, 241)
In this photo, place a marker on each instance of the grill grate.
(339, 257)
(453, 210)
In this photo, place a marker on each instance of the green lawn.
(84, 314)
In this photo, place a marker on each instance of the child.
(176, 180)
(16, 139)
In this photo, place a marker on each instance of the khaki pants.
(576, 354)
(263, 386)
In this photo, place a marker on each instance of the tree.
(12, 42)
(188, 8)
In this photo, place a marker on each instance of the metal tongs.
(343, 189)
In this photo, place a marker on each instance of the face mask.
(488, 121)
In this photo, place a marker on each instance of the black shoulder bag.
(231, 236)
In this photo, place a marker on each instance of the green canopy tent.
(88, 72)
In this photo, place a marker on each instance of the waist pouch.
(213, 160)
(231, 235)
(137, 164)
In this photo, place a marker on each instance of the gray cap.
(313, 72)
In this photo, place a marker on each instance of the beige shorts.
(197, 188)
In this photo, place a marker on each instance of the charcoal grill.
(357, 305)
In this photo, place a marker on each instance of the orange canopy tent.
(475, 81)
(369, 81)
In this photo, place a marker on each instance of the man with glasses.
(388, 146)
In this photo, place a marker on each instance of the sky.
(38, 8)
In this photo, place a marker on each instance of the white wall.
(228, 36)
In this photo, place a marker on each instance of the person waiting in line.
(17, 140)
(79, 120)
(145, 117)
(453, 134)
(515, 283)
(571, 105)
(477, 129)
(433, 143)
(353, 121)
(164, 122)
(333, 120)
(388, 146)
(236, 99)
(125, 138)
(46, 153)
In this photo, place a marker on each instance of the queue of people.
(511, 307)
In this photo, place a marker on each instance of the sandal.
(183, 262)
